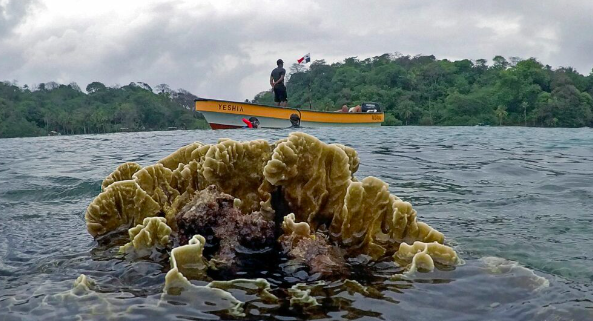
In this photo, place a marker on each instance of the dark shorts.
(280, 94)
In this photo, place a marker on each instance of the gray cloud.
(228, 52)
(12, 12)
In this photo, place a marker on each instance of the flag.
(306, 58)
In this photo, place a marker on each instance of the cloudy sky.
(226, 49)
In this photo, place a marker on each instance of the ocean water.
(515, 203)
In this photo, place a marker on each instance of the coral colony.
(297, 197)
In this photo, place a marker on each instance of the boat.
(222, 114)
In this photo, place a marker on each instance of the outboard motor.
(370, 108)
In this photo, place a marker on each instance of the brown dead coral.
(213, 215)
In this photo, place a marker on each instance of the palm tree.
(406, 110)
(501, 112)
(525, 105)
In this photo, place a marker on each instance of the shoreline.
(208, 129)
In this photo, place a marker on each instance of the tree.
(296, 68)
(501, 113)
(406, 110)
(481, 64)
(163, 89)
(67, 110)
(500, 62)
(74, 86)
(95, 87)
(525, 105)
(514, 61)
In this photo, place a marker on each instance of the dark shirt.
(277, 73)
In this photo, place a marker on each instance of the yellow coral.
(315, 179)
(422, 255)
(188, 259)
(122, 172)
(152, 233)
(293, 231)
(313, 175)
(289, 226)
(372, 220)
(156, 181)
(181, 156)
(185, 178)
(237, 169)
(406, 228)
(122, 203)
(364, 219)
(260, 287)
(301, 296)
(353, 160)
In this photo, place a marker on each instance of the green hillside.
(66, 109)
(423, 90)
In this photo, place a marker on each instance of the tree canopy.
(423, 90)
(65, 109)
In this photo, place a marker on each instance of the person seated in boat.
(253, 122)
(277, 83)
(344, 109)
(295, 121)
(355, 109)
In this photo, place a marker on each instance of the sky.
(226, 49)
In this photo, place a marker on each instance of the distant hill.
(66, 109)
(423, 90)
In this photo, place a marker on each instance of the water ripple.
(522, 194)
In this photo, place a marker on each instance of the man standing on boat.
(277, 83)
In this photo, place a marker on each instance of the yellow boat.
(221, 114)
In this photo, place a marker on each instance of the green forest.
(423, 90)
(52, 108)
(419, 90)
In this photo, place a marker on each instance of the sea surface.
(515, 203)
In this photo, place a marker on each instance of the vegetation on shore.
(419, 90)
(66, 109)
(423, 90)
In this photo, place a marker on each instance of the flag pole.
(307, 58)
(310, 94)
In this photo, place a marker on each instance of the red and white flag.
(305, 59)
